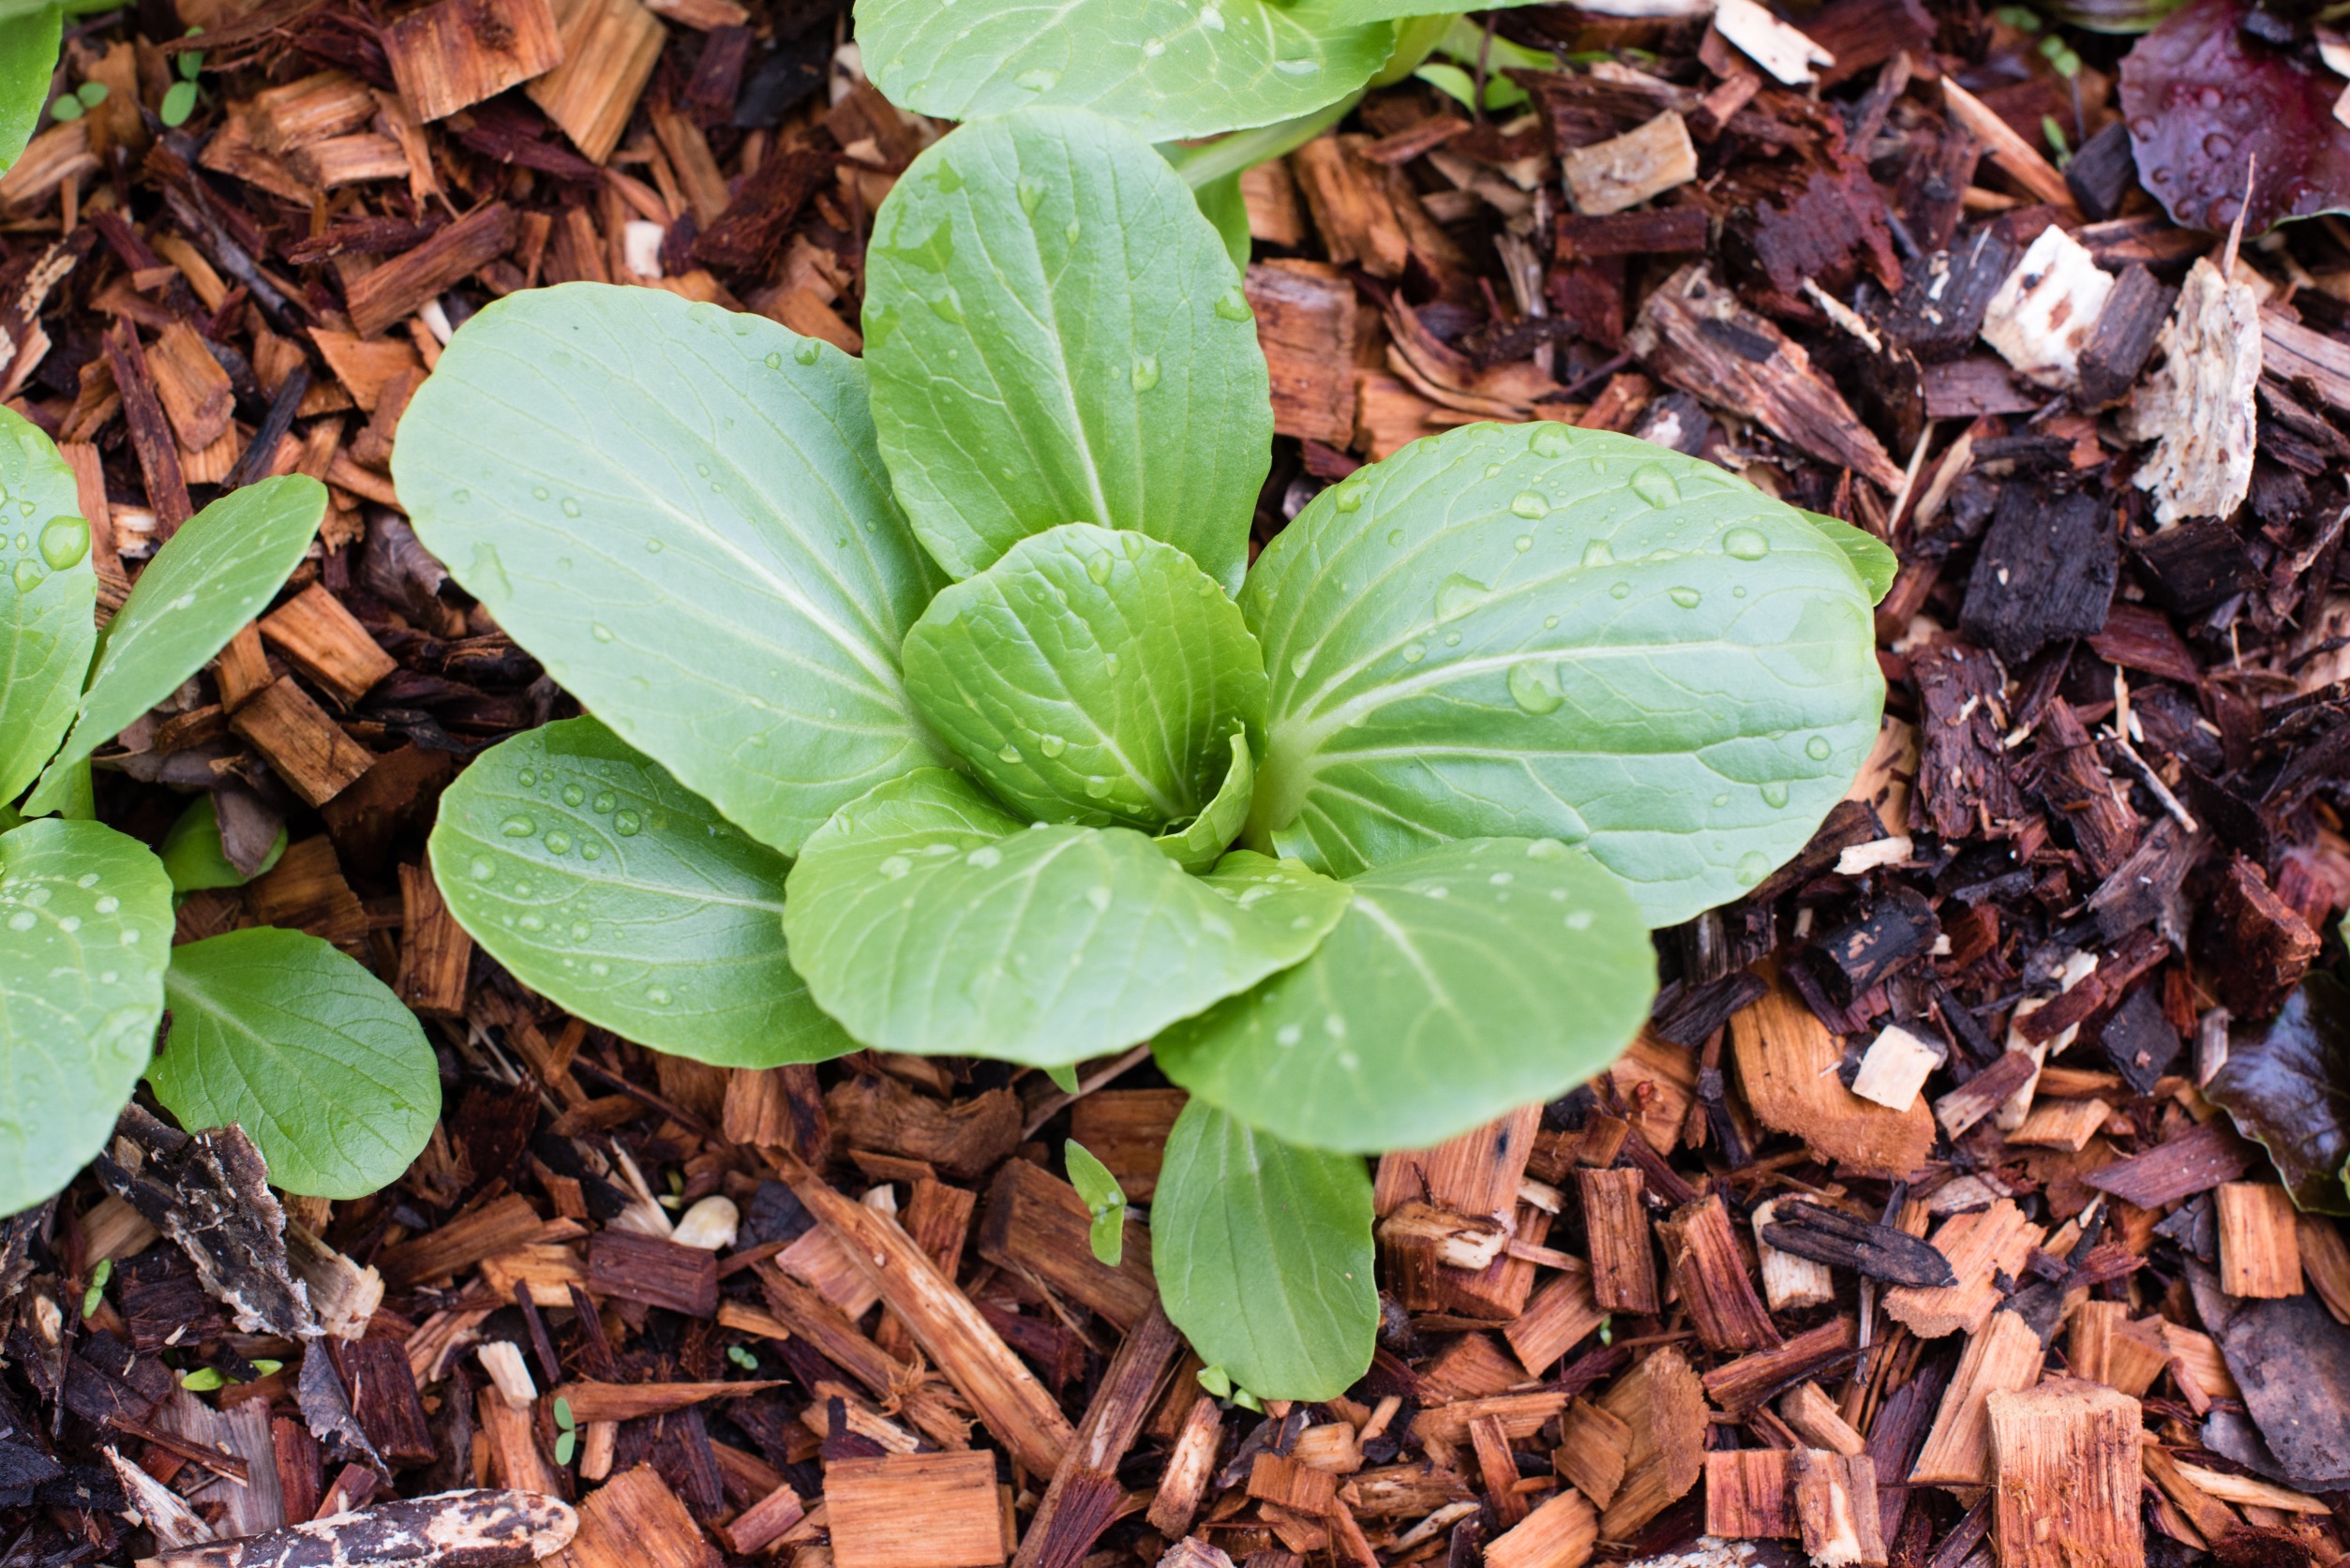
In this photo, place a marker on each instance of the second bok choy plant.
(938, 707)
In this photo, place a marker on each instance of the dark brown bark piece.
(1830, 1236)
(655, 1272)
(2046, 570)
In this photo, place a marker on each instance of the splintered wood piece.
(300, 742)
(1830, 1236)
(455, 1245)
(2043, 316)
(1277, 1478)
(2105, 1346)
(2260, 1248)
(1787, 1063)
(394, 290)
(1085, 1496)
(1592, 1449)
(1790, 1282)
(1126, 1131)
(1522, 1416)
(2060, 1124)
(1980, 1246)
(487, 1528)
(609, 48)
(151, 435)
(1746, 1494)
(1811, 1415)
(1036, 1223)
(800, 1309)
(1192, 1552)
(2018, 158)
(2005, 1356)
(196, 392)
(1348, 197)
(366, 367)
(1471, 1368)
(1738, 1386)
(765, 1522)
(1558, 1534)
(383, 1394)
(454, 54)
(635, 1521)
(2210, 1518)
(2195, 1161)
(2066, 1476)
(1424, 1237)
(327, 643)
(1663, 1404)
(1626, 171)
(1306, 321)
(1190, 1469)
(943, 1320)
(630, 1401)
(1895, 1068)
(1709, 1274)
(2326, 1260)
(1498, 1468)
(656, 1272)
(1835, 1500)
(1476, 1174)
(1615, 1219)
(915, 1511)
(1558, 1318)
(435, 951)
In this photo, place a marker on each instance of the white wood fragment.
(1895, 1068)
(2079, 967)
(503, 1359)
(710, 1224)
(640, 245)
(1626, 171)
(1867, 857)
(2197, 405)
(1788, 1282)
(1786, 53)
(2044, 313)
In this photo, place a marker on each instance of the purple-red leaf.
(2201, 95)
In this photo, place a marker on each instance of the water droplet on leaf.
(1534, 686)
(1529, 505)
(64, 542)
(1746, 544)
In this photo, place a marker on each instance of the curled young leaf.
(86, 930)
(1167, 68)
(1089, 676)
(280, 1034)
(215, 574)
(929, 919)
(680, 512)
(2288, 1087)
(1560, 633)
(1262, 1254)
(49, 590)
(1056, 334)
(1199, 844)
(615, 891)
(1460, 982)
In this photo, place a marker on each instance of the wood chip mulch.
(1905, 1234)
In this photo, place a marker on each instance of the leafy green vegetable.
(49, 593)
(87, 919)
(1106, 1201)
(682, 512)
(314, 1057)
(1089, 676)
(1263, 1253)
(605, 886)
(2288, 1087)
(192, 856)
(1169, 69)
(1056, 333)
(1548, 631)
(216, 572)
(1460, 982)
(1221, 204)
(928, 919)
(1199, 844)
(28, 58)
(1872, 560)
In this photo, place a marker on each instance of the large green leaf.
(1056, 334)
(1167, 68)
(28, 58)
(86, 930)
(49, 593)
(680, 511)
(216, 572)
(1090, 677)
(1550, 632)
(1460, 982)
(610, 889)
(296, 1043)
(1263, 1255)
(928, 919)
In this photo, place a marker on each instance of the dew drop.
(1524, 542)
(599, 969)
(64, 542)
(518, 828)
(1288, 1034)
(1145, 372)
(489, 574)
(574, 795)
(986, 857)
(1596, 553)
(1546, 849)
(540, 492)
(1301, 662)
(1098, 566)
(559, 843)
(1688, 598)
(1037, 80)
(1052, 745)
(775, 361)
(895, 866)
(29, 576)
(626, 824)
(533, 922)
(571, 506)
(1031, 195)
(481, 870)
(1233, 305)
(1619, 590)
(1009, 752)
(1753, 866)
(1818, 748)
(24, 920)
(1415, 652)
(1551, 441)
(1100, 898)
(599, 631)
(1578, 919)
(1534, 686)
(1348, 498)
(1652, 484)
(1774, 794)
(580, 932)
(87, 879)
(658, 995)
(1746, 544)
(1549, 622)
(1457, 594)
(1529, 505)
(1097, 786)
(1395, 538)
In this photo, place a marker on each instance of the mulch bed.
(1721, 1291)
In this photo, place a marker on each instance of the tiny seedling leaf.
(610, 889)
(97, 1290)
(48, 590)
(179, 103)
(1103, 1198)
(325, 1070)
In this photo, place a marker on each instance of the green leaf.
(1460, 982)
(1199, 844)
(1089, 676)
(1872, 560)
(1169, 69)
(192, 856)
(1056, 334)
(86, 932)
(1461, 87)
(179, 103)
(1262, 1254)
(28, 58)
(48, 596)
(928, 919)
(680, 512)
(1541, 631)
(1222, 203)
(218, 572)
(296, 1043)
(605, 886)
(566, 1442)
(1106, 1201)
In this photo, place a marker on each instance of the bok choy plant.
(274, 1030)
(938, 708)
